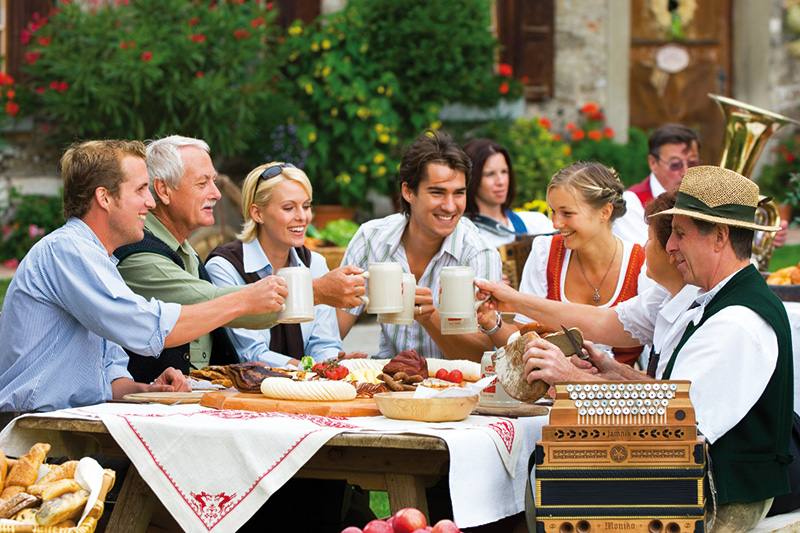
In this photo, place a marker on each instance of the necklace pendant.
(596, 296)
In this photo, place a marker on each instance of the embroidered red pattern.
(210, 508)
(505, 429)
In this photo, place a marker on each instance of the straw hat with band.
(720, 196)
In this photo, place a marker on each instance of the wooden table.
(401, 465)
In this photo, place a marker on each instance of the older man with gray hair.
(164, 265)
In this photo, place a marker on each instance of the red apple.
(352, 529)
(446, 526)
(378, 526)
(409, 520)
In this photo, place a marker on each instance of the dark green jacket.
(750, 462)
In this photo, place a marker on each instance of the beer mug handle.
(364, 298)
(479, 303)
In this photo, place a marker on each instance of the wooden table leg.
(406, 491)
(134, 506)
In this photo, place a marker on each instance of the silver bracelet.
(496, 327)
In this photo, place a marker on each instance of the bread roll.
(3, 470)
(64, 507)
(25, 472)
(62, 471)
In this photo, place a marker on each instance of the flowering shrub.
(536, 154)
(25, 220)
(158, 67)
(341, 105)
(775, 178)
(594, 141)
(8, 96)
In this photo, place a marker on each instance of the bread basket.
(87, 526)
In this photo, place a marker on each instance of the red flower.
(257, 22)
(11, 94)
(62, 86)
(32, 57)
(790, 158)
(504, 88)
(147, 56)
(54, 85)
(599, 117)
(590, 108)
(40, 90)
(545, 123)
(526, 80)
(12, 108)
(269, 5)
(241, 34)
(193, 21)
(7, 80)
(557, 137)
(578, 135)
(595, 135)
(123, 45)
(505, 69)
(608, 132)
(25, 35)
(198, 38)
(570, 126)
(199, 74)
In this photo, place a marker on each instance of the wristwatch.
(496, 327)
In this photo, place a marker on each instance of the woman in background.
(490, 193)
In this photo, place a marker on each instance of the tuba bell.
(747, 130)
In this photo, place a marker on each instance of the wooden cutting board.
(168, 398)
(231, 399)
(524, 409)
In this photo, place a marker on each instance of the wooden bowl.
(403, 406)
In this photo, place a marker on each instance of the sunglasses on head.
(271, 172)
(676, 165)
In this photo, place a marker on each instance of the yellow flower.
(295, 30)
(381, 171)
(309, 88)
(381, 89)
(383, 138)
(389, 92)
(326, 44)
(379, 128)
(334, 112)
(363, 113)
(312, 136)
(364, 48)
(314, 47)
(362, 168)
(379, 158)
(326, 70)
(343, 178)
(435, 125)
(293, 56)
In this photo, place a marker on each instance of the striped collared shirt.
(380, 241)
(65, 315)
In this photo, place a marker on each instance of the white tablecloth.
(793, 310)
(250, 455)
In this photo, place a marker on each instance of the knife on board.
(575, 344)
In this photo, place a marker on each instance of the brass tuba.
(747, 130)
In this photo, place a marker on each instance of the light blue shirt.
(380, 240)
(65, 315)
(321, 337)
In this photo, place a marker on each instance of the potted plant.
(776, 180)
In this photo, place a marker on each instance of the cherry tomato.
(455, 376)
(342, 371)
(441, 374)
(330, 373)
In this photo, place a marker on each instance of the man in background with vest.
(164, 265)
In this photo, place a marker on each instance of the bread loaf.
(26, 470)
(64, 507)
(408, 361)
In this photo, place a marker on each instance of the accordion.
(621, 456)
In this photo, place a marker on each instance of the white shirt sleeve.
(534, 274)
(632, 226)
(729, 361)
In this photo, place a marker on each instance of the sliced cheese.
(320, 391)
(357, 364)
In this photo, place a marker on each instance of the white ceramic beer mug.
(299, 304)
(384, 288)
(406, 316)
(457, 304)
(494, 395)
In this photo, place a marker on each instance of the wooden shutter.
(291, 10)
(18, 15)
(525, 29)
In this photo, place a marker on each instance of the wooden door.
(680, 52)
(525, 31)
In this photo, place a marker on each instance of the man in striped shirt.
(427, 236)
